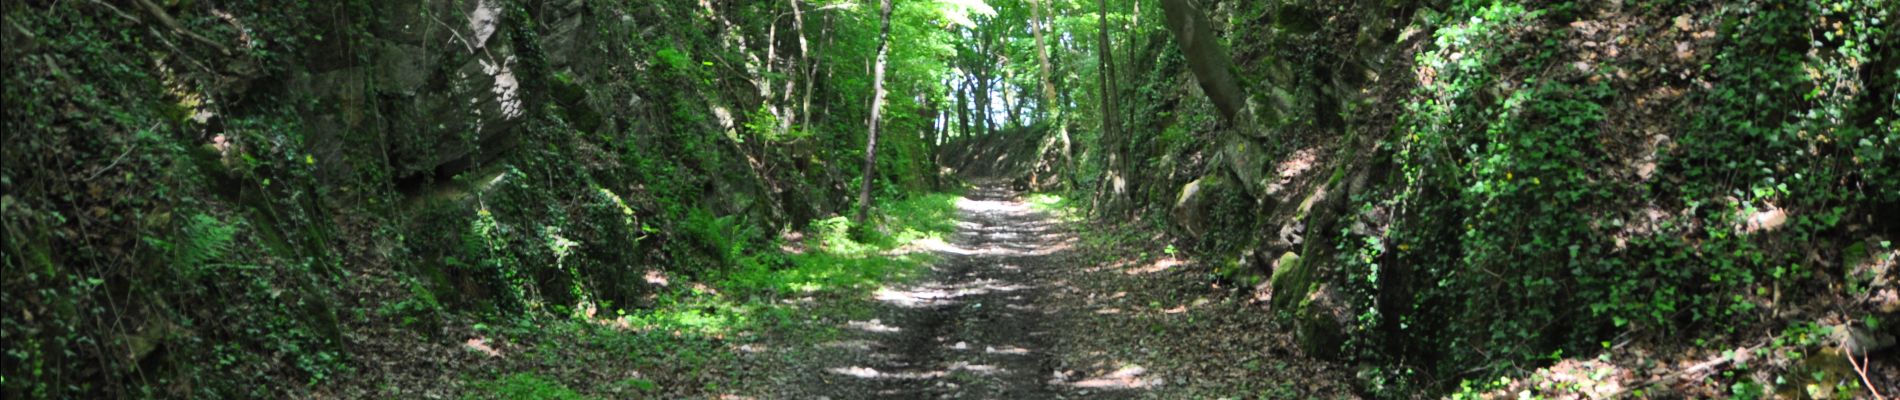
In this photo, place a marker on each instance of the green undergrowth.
(1055, 205)
(1518, 237)
(835, 262)
(525, 386)
(680, 338)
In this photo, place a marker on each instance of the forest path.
(977, 325)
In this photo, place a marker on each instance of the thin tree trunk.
(1051, 102)
(802, 66)
(1010, 103)
(1107, 74)
(1042, 56)
(1133, 31)
(963, 106)
(877, 104)
(984, 88)
(1111, 141)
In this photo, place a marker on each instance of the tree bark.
(1112, 183)
(877, 104)
(802, 66)
(1106, 54)
(963, 106)
(1107, 74)
(984, 88)
(1051, 102)
(1206, 56)
(1042, 54)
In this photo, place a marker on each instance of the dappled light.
(873, 326)
(972, 326)
(997, 199)
(1159, 265)
(1129, 377)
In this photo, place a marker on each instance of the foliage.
(204, 212)
(524, 386)
(1518, 233)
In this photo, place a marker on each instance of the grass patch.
(1062, 208)
(838, 263)
(681, 341)
(834, 263)
(522, 386)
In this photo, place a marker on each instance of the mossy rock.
(1194, 202)
(1290, 281)
(1316, 310)
(1319, 323)
(1241, 269)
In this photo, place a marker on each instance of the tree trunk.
(1010, 103)
(1106, 55)
(1111, 141)
(1107, 74)
(1206, 56)
(984, 88)
(1051, 102)
(963, 107)
(800, 67)
(877, 104)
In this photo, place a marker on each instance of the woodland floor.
(1020, 307)
(1022, 302)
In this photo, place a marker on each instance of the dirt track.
(977, 325)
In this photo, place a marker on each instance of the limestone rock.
(1290, 281)
(1192, 204)
(1319, 323)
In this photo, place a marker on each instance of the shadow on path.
(976, 326)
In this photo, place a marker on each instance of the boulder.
(1319, 322)
(1193, 204)
(1290, 281)
(1317, 311)
(1250, 162)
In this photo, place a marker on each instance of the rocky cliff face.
(1418, 179)
(481, 156)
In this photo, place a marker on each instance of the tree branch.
(165, 19)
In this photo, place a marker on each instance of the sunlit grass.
(522, 386)
(1053, 203)
(745, 295)
(762, 289)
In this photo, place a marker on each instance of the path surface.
(977, 325)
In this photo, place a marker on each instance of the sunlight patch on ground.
(873, 373)
(980, 369)
(479, 344)
(967, 204)
(860, 372)
(932, 295)
(1041, 249)
(1158, 266)
(1123, 378)
(1128, 377)
(877, 326)
(914, 298)
(1005, 350)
